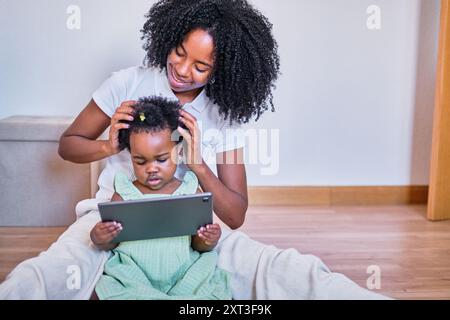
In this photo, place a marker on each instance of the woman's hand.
(124, 112)
(210, 234)
(105, 232)
(192, 147)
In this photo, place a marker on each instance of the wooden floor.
(412, 253)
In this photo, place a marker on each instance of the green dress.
(161, 269)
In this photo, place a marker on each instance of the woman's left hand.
(192, 144)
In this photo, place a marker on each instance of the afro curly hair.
(152, 114)
(245, 52)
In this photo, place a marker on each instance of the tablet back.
(163, 217)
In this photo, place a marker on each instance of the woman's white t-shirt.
(136, 82)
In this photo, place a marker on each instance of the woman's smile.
(174, 80)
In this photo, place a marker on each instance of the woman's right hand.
(105, 232)
(124, 112)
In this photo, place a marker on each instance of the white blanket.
(70, 268)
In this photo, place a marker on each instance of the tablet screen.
(164, 217)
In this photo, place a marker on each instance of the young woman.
(219, 60)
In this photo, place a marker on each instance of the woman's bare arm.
(229, 188)
(79, 142)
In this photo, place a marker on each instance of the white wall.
(354, 106)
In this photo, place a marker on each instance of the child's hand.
(210, 234)
(105, 232)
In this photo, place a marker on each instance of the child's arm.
(104, 232)
(206, 238)
(205, 241)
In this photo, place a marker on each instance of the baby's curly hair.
(246, 58)
(151, 114)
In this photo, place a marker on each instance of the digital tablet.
(168, 216)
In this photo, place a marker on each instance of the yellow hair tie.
(142, 116)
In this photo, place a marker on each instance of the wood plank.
(439, 198)
(18, 244)
(289, 196)
(331, 196)
(379, 195)
(411, 251)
